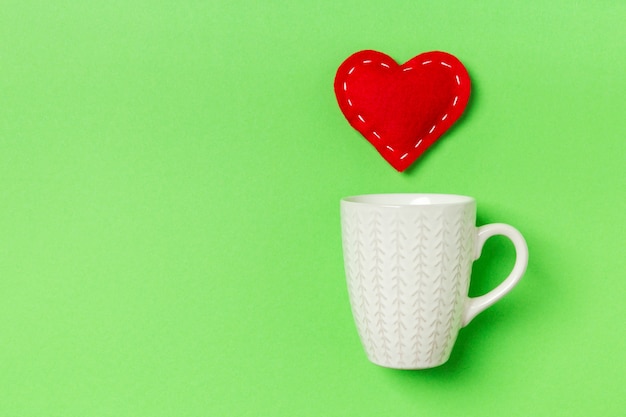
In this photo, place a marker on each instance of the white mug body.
(408, 261)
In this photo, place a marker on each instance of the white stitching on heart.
(432, 129)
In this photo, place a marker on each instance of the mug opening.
(405, 200)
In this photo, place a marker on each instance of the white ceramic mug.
(408, 260)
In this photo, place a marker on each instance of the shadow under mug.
(408, 261)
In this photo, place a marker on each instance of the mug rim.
(408, 199)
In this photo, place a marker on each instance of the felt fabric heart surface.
(402, 109)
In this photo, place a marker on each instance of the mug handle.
(476, 305)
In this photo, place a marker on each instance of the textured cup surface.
(408, 261)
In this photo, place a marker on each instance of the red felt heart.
(402, 109)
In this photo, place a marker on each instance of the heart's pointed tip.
(400, 166)
(403, 168)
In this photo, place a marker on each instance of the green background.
(170, 174)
